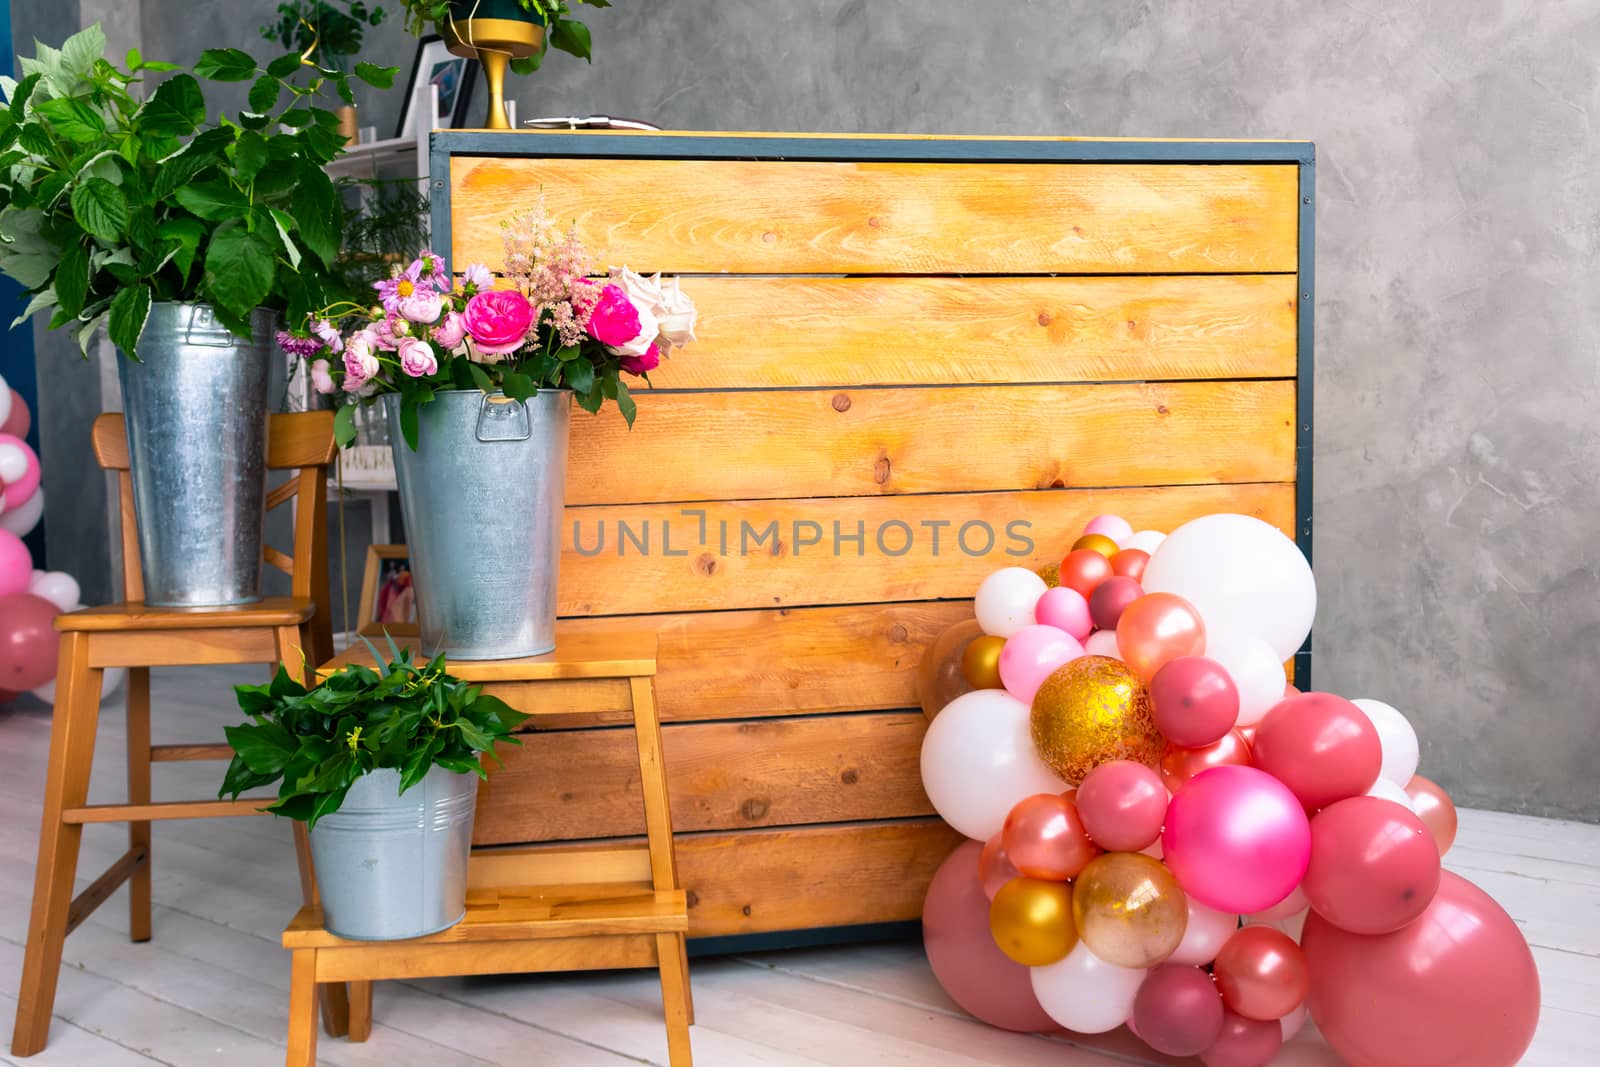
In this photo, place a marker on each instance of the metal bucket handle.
(204, 331)
(502, 419)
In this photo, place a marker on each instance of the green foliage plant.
(326, 30)
(562, 32)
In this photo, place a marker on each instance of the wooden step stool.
(565, 909)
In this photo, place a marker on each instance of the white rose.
(672, 311)
(677, 316)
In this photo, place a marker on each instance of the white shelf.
(365, 160)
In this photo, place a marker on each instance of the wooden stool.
(284, 630)
(542, 909)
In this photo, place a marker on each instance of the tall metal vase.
(482, 498)
(195, 405)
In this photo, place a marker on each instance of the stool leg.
(675, 997)
(683, 965)
(72, 731)
(302, 1010)
(139, 793)
(335, 997)
(360, 1011)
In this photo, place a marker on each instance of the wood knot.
(706, 564)
(881, 470)
(1044, 318)
(769, 237)
(745, 909)
(567, 797)
(1133, 324)
(874, 222)
(690, 897)
(1161, 409)
(1077, 229)
(898, 633)
(850, 776)
(841, 402)
(754, 808)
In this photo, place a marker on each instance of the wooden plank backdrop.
(917, 361)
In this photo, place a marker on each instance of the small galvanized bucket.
(482, 497)
(391, 867)
(196, 411)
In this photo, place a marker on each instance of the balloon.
(1237, 839)
(1084, 569)
(1290, 925)
(1397, 739)
(1374, 866)
(995, 868)
(1206, 932)
(1240, 574)
(1031, 920)
(1177, 1011)
(1384, 789)
(1103, 643)
(1194, 701)
(1434, 807)
(110, 678)
(1319, 745)
(1129, 909)
(1097, 543)
(7, 398)
(1111, 599)
(1122, 804)
(1129, 563)
(1293, 904)
(963, 955)
(1044, 838)
(1457, 986)
(17, 422)
(1255, 668)
(1294, 1022)
(1065, 609)
(1262, 973)
(19, 470)
(58, 587)
(978, 761)
(1180, 765)
(27, 641)
(1086, 994)
(1031, 655)
(1005, 600)
(1145, 541)
(1090, 711)
(980, 662)
(21, 519)
(1156, 629)
(16, 566)
(939, 676)
(1114, 527)
(1244, 1042)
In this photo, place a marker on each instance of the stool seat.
(136, 615)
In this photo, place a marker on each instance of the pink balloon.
(995, 868)
(16, 566)
(1031, 655)
(1457, 986)
(1044, 838)
(1178, 1010)
(1123, 805)
(1194, 701)
(1110, 598)
(1113, 526)
(980, 978)
(1065, 608)
(1103, 643)
(1236, 839)
(1289, 906)
(19, 420)
(1374, 865)
(1244, 1043)
(1321, 746)
(28, 643)
(20, 488)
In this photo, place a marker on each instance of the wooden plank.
(618, 654)
(697, 562)
(791, 217)
(167, 809)
(353, 964)
(943, 331)
(721, 776)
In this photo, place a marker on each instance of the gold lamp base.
(494, 43)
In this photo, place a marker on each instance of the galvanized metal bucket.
(482, 497)
(196, 411)
(391, 867)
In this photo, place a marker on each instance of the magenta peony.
(615, 319)
(498, 321)
(644, 363)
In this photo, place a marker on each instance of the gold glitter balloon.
(1031, 921)
(1090, 711)
(1129, 909)
(980, 663)
(1099, 543)
(1051, 573)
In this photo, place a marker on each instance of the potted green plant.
(186, 240)
(382, 766)
(327, 32)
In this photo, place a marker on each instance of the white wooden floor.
(211, 988)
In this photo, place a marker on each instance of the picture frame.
(456, 76)
(388, 597)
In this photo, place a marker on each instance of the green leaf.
(79, 52)
(72, 118)
(129, 309)
(319, 213)
(344, 425)
(184, 235)
(284, 224)
(20, 95)
(480, 377)
(475, 738)
(239, 269)
(44, 298)
(264, 93)
(178, 171)
(580, 375)
(177, 107)
(100, 209)
(625, 403)
(297, 118)
(215, 200)
(517, 386)
(264, 747)
(284, 65)
(590, 401)
(249, 155)
(240, 777)
(72, 279)
(571, 37)
(36, 139)
(376, 76)
(408, 422)
(226, 65)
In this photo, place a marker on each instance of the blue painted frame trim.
(812, 938)
(1305, 388)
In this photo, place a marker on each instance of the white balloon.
(1255, 668)
(13, 463)
(978, 760)
(1384, 789)
(58, 587)
(1146, 541)
(1293, 904)
(5, 401)
(1006, 600)
(1103, 643)
(1399, 740)
(1154, 849)
(1241, 574)
(1293, 925)
(25, 516)
(1295, 1021)
(109, 681)
(1086, 994)
(1208, 930)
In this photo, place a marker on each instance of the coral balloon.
(1111, 599)
(1097, 543)
(1244, 1042)
(1436, 810)
(1129, 563)
(1065, 609)
(1374, 865)
(1293, 904)
(1157, 629)
(939, 676)
(1194, 701)
(1255, 668)
(1321, 746)
(17, 422)
(1086, 994)
(1005, 601)
(1084, 569)
(1129, 909)
(963, 955)
(1031, 655)
(1177, 1011)
(1115, 527)
(1458, 986)
(1031, 921)
(16, 564)
(1206, 932)
(1123, 805)
(1180, 765)
(980, 661)
(995, 868)
(1262, 974)
(1237, 839)
(978, 760)
(27, 641)
(1396, 737)
(1044, 838)
(1091, 711)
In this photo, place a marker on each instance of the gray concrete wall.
(1458, 313)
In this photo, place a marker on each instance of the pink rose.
(386, 332)
(615, 319)
(449, 334)
(643, 363)
(321, 380)
(417, 358)
(422, 306)
(498, 321)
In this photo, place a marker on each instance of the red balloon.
(1194, 701)
(1178, 765)
(28, 642)
(1458, 986)
(1044, 838)
(1110, 599)
(1244, 1043)
(967, 963)
(1123, 805)
(1084, 569)
(1178, 1011)
(1262, 973)
(1436, 810)
(1130, 563)
(1374, 865)
(19, 420)
(1321, 746)
(995, 868)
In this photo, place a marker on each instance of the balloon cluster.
(1166, 835)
